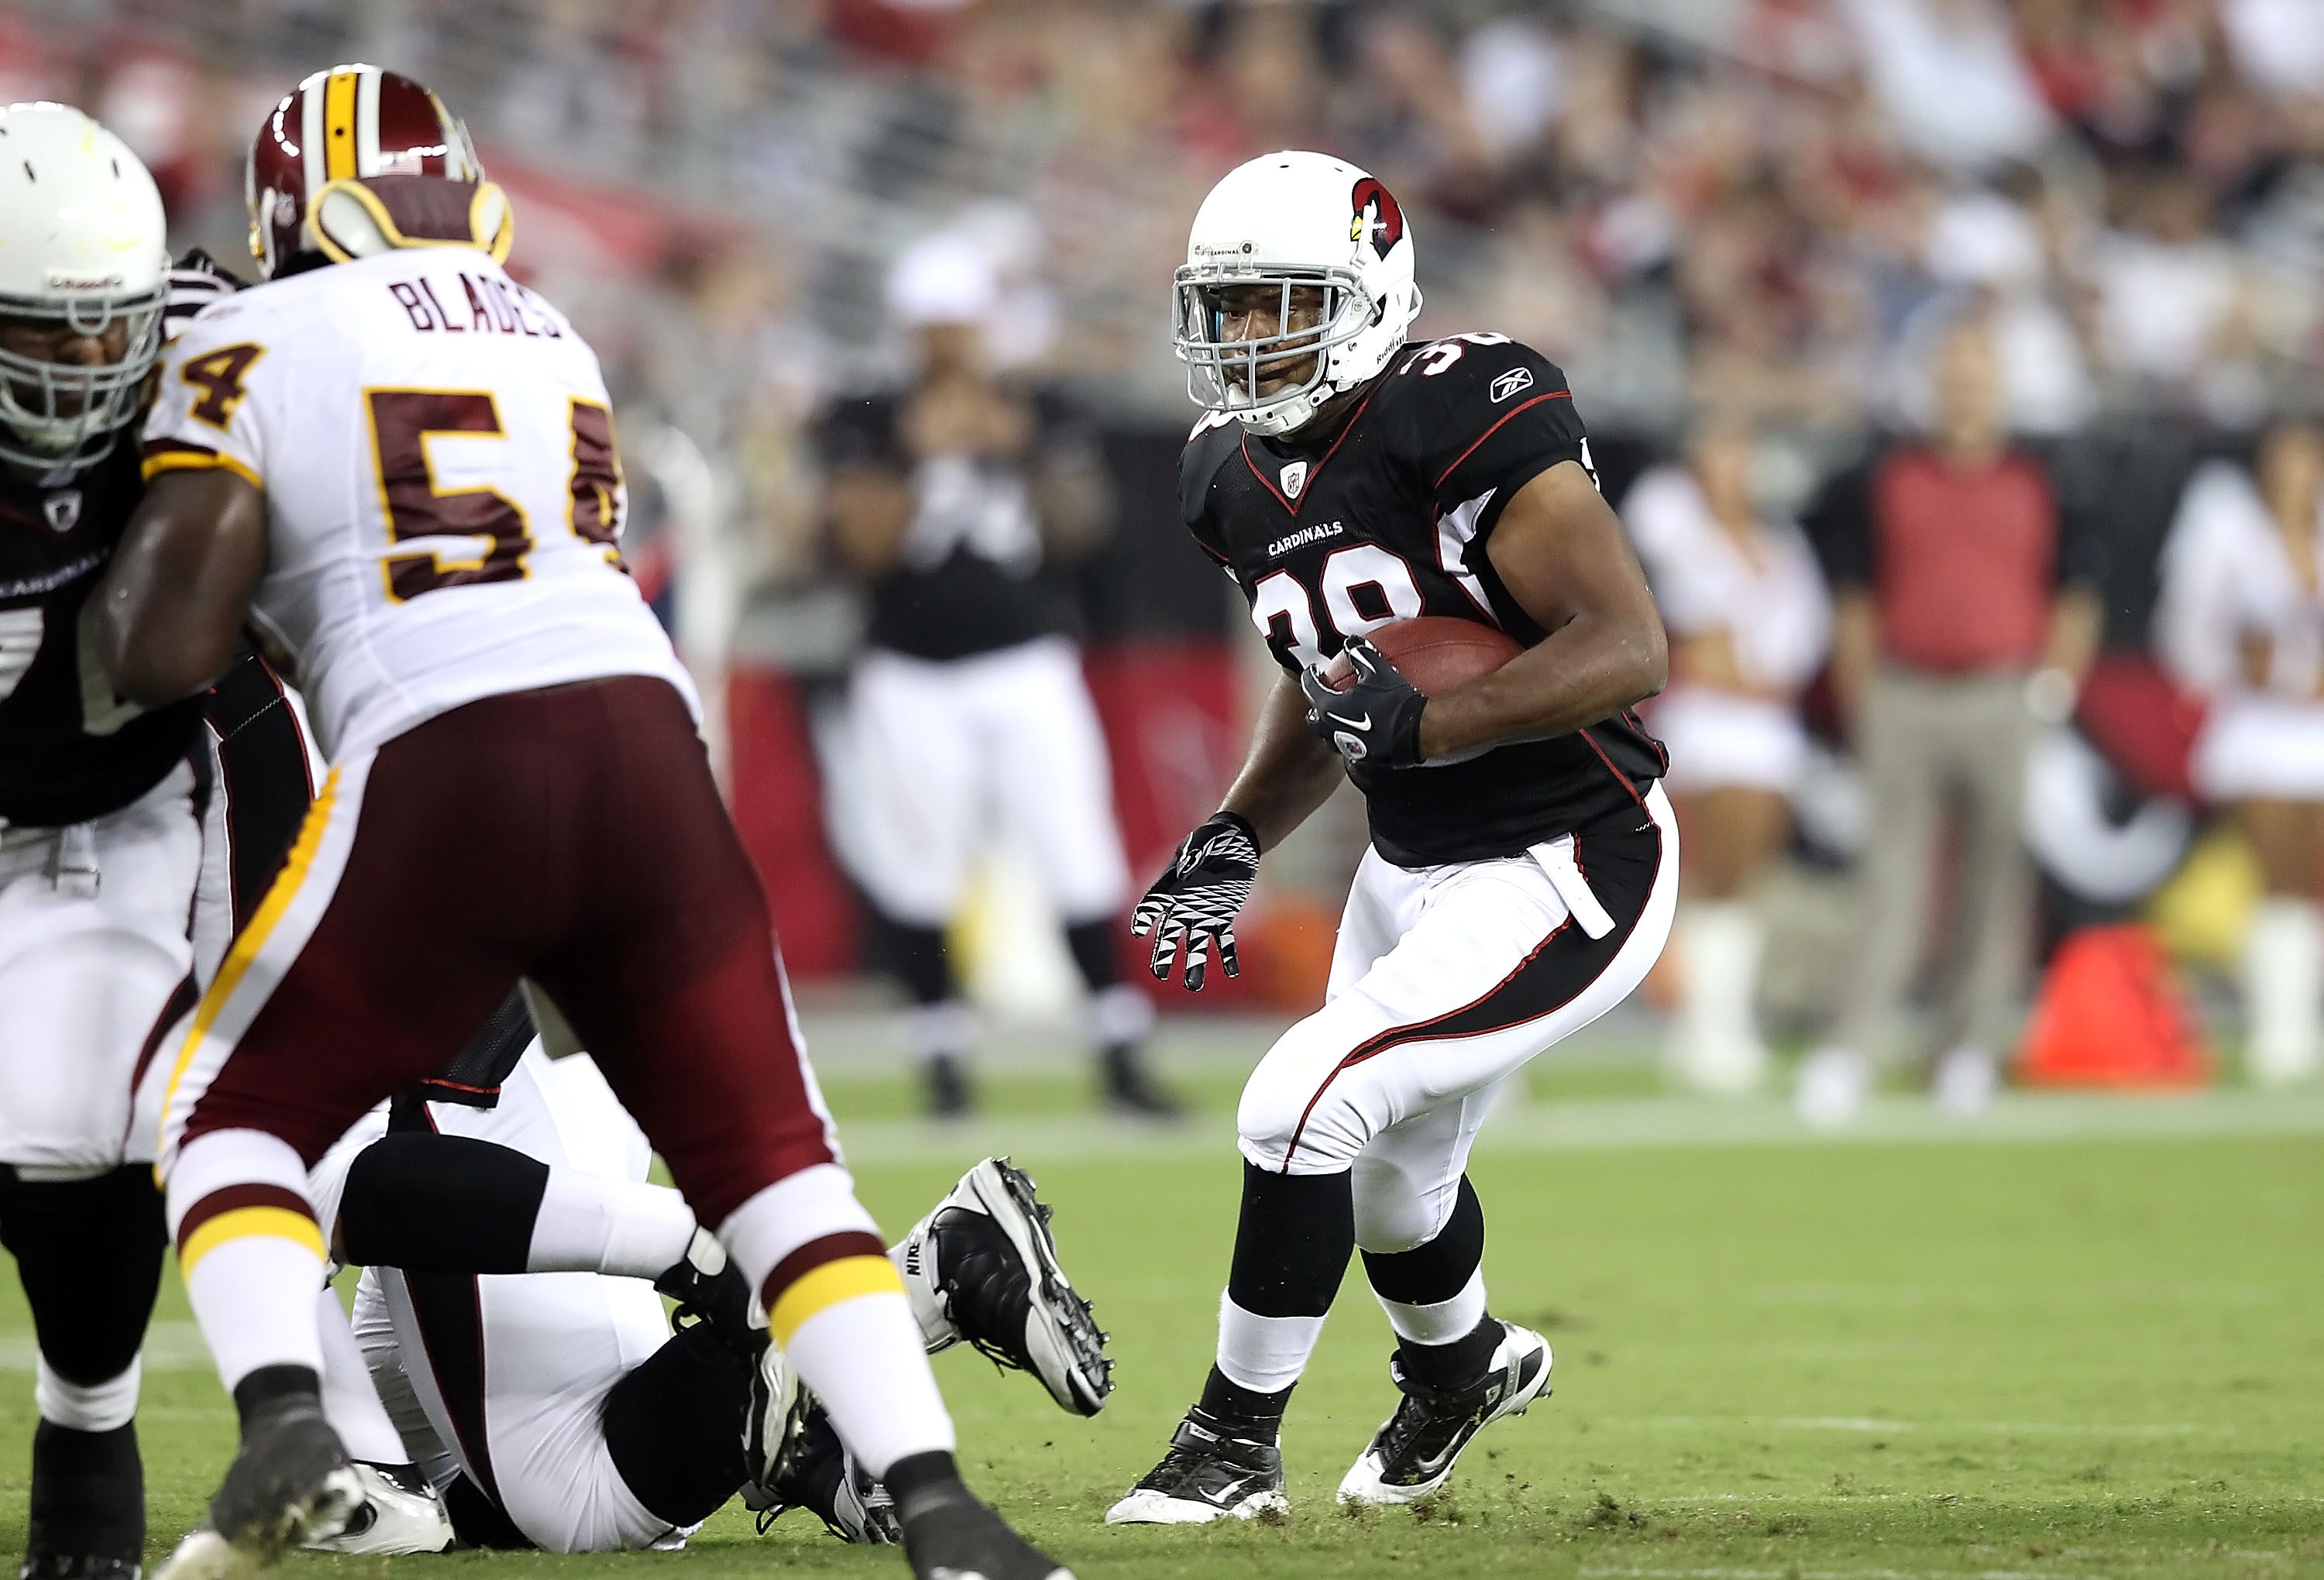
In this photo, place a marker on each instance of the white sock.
(1263, 1353)
(1715, 1045)
(864, 1358)
(350, 1403)
(1119, 1014)
(97, 1407)
(2284, 989)
(1444, 1320)
(249, 1249)
(945, 1029)
(840, 1314)
(590, 1224)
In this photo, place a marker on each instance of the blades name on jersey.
(444, 497)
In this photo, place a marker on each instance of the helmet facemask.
(1225, 375)
(66, 416)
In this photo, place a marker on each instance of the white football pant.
(1446, 980)
(939, 754)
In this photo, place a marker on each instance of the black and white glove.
(1376, 721)
(1198, 895)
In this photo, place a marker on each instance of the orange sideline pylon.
(2112, 1014)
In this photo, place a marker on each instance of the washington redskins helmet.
(1290, 220)
(323, 174)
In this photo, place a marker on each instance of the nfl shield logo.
(1294, 478)
(63, 510)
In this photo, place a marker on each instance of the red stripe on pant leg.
(815, 1253)
(234, 1198)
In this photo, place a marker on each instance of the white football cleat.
(1412, 1454)
(1831, 1087)
(982, 1268)
(394, 1518)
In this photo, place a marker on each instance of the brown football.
(1434, 652)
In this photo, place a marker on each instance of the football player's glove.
(1198, 895)
(1375, 721)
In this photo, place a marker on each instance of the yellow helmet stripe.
(339, 126)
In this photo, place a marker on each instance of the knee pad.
(89, 1254)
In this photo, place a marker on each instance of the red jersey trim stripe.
(1489, 433)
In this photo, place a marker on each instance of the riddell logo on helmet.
(65, 279)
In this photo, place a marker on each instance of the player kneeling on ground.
(507, 1231)
(1524, 865)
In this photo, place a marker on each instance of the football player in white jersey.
(398, 465)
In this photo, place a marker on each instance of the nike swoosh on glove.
(1198, 897)
(1376, 720)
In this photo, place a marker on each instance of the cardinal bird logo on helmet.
(1377, 216)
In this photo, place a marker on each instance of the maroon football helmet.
(350, 123)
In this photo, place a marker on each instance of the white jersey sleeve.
(444, 496)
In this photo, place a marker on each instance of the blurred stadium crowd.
(1757, 221)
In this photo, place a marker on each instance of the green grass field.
(2060, 1357)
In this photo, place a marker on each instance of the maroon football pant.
(572, 836)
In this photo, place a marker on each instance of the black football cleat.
(1214, 1470)
(774, 1428)
(709, 1288)
(1129, 1089)
(982, 1268)
(290, 1484)
(1413, 1453)
(948, 1097)
(948, 1535)
(821, 1477)
(55, 1566)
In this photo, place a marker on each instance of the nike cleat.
(1413, 1452)
(821, 1477)
(400, 1514)
(290, 1484)
(982, 1268)
(1207, 1474)
(774, 1427)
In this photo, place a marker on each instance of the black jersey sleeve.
(1214, 439)
(1490, 415)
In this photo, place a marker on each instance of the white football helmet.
(1288, 220)
(82, 242)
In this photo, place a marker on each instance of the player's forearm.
(1588, 670)
(1289, 772)
(168, 618)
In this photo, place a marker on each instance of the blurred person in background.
(1964, 614)
(2242, 620)
(953, 501)
(1743, 600)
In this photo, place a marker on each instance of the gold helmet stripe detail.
(339, 126)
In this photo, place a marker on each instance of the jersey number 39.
(402, 421)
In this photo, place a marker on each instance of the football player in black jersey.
(953, 502)
(118, 879)
(1523, 866)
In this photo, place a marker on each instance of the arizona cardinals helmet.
(340, 129)
(1289, 220)
(85, 245)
